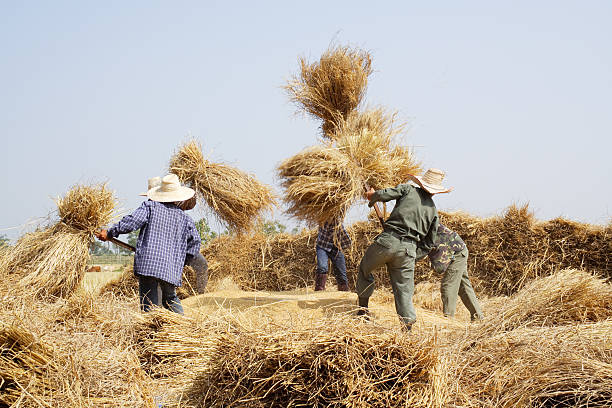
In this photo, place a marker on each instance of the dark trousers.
(338, 262)
(148, 287)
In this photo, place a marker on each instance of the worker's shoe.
(343, 287)
(320, 280)
(406, 325)
(476, 318)
(364, 313)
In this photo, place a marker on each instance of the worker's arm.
(387, 194)
(193, 239)
(127, 224)
(429, 241)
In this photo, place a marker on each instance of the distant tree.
(272, 227)
(206, 233)
(4, 240)
(132, 239)
(99, 248)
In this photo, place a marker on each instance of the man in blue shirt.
(167, 236)
(331, 240)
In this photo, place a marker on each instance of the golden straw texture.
(332, 87)
(235, 197)
(320, 184)
(51, 261)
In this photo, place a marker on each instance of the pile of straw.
(235, 197)
(564, 366)
(23, 363)
(506, 253)
(51, 261)
(320, 184)
(336, 363)
(77, 352)
(566, 297)
(333, 87)
(510, 250)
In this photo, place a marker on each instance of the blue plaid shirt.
(332, 234)
(167, 234)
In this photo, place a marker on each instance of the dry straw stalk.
(50, 262)
(332, 87)
(235, 197)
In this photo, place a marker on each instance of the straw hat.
(152, 183)
(431, 181)
(170, 190)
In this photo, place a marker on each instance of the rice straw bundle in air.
(369, 140)
(51, 261)
(320, 184)
(236, 198)
(332, 87)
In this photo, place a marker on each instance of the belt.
(398, 236)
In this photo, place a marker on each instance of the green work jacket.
(414, 216)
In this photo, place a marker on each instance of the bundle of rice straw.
(566, 297)
(237, 198)
(23, 363)
(51, 261)
(332, 87)
(320, 184)
(564, 366)
(369, 140)
(334, 363)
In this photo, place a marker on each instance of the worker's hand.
(369, 193)
(102, 235)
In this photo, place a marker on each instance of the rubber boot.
(343, 287)
(320, 280)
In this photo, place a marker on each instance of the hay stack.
(566, 297)
(236, 198)
(505, 253)
(333, 87)
(23, 363)
(334, 364)
(51, 261)
(510, 250)
(320, 184)
(565, 366)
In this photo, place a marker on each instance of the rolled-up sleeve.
(130, 222)
(388, 194)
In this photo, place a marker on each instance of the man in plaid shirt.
(167, 236)
(331, 235)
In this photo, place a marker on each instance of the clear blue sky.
(513, 99)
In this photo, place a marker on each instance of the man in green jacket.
(414, 220)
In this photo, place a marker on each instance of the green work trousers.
(399, 256)
(456, 282)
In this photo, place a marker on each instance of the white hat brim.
(430, 188)
(182, 194)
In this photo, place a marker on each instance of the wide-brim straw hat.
(431, 181)
(170, 190)
(151, 183)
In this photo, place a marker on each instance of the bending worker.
(449, 257)
(414, 220)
